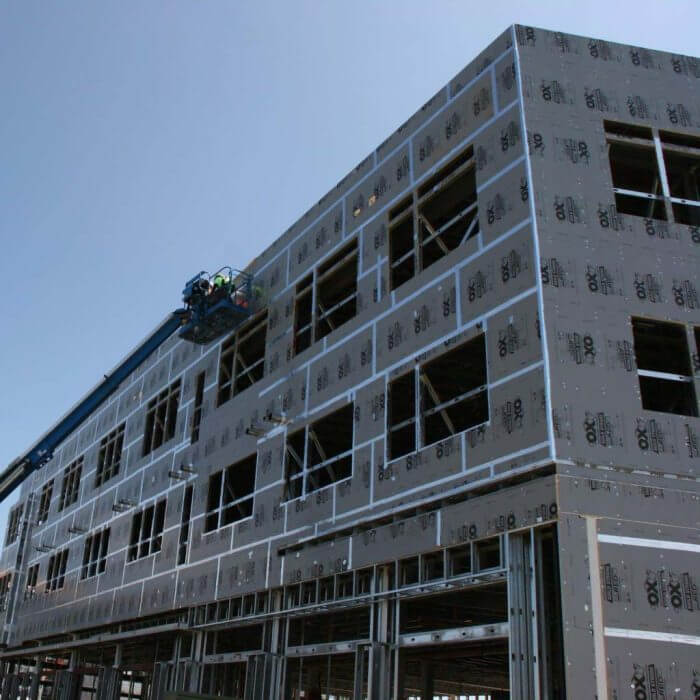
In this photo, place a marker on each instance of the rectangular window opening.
(56, 572)
(447, 210)
(308, 593)
(432, 566)
(454, 396)
(250, 354)
(460, 560)
(230, 494)
(344, 585)
(402, 253)
(668, 396)
(5, 582)
(634, 168)
(294, 464)
(161, 418)
(409, 571)
(185, 525)
(13, 524)
(364, 581)
(45, 502)
(664, 367)
(488, 554)
(683, 173)
(228, 353)
(32, 578)
(95, 554)
(146, 531)
(303, 308)
(336, 291)
(198, 401)
(242, 362)
(635, 171)
(326, 589)
(110, 455)
(402, 415)
(70, 487)
(329, 449)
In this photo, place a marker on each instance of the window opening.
(13, 524)
(303, 307)
(230, 494)
(682, 164)
(44, 502)
(655, 174)
(320, 454)
(70, 487)
(294, 464)
(402, 415)
(488, 553)
(198, 401)
(447, 209)
(56, 572)
(161, 417)
(460, 560)
(344, 585)
(185, 525)
(364, 581)
(242, 361)
(326, 589)
(408, 571)
(110, 455)
(336, 291)
(432, 566)
(147, 531)
(95, 554)
(664, 367)
(402, 247)
(453, 391)
(292, 596)
(329, 449)
(308, 593)
(444, 213)
(5, 582)
(32, 578)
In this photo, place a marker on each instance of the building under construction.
(446, 444)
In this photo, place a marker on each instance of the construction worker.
(200, 289)
(220, 280)
(219, 286)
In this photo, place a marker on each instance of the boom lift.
(213, 305)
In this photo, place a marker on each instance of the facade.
(453, 454)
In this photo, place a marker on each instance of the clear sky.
(144, 140)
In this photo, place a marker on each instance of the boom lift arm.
(213, 305)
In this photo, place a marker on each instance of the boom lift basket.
(215, 304)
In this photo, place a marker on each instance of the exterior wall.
(628, 490)
(488, 284)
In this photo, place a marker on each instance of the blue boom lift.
(213, 305)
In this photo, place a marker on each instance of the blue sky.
(142, 141)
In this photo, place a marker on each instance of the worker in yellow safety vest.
(220, 280)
